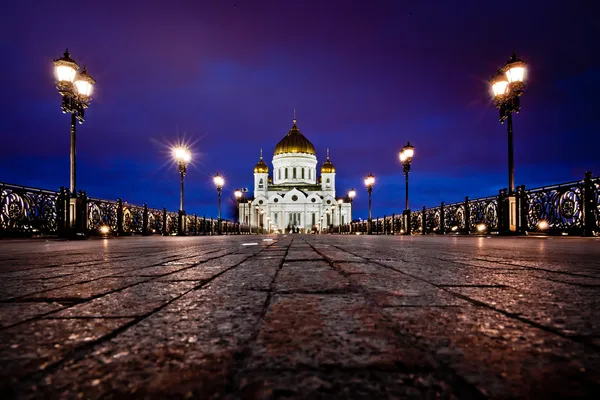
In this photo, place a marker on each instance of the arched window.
(286, 173)
(328, 182)
(302, 173)
(260, 183)
(294, 176)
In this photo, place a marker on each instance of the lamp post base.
(509, 216)
(181, 222)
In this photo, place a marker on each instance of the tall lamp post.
(369, 183)
(76, 91)
(219, 182)
(507, 87)
(406, 155)
(340, 202)
(351, 196)
(238, 198)
(183, 156)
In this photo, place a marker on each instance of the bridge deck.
(300, 317)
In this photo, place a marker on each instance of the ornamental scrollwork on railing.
(155, 221)
(102, 212)
(27, 210)
(133, 219)
(416, 221)
(559, 206)
(484, 211)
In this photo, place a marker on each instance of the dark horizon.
(363, 79)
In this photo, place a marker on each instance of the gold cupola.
(294, 143)
(261, 167)
(327, 167)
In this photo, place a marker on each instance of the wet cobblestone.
(300, 316)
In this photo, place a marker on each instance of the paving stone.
(12, 313)
(88, 289)
(328, 330)
(32, 346)
(189, 348)
(502, 357)
(133, 301)
(310, 277)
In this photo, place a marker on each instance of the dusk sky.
(364, 77)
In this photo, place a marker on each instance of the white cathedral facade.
(294, 198)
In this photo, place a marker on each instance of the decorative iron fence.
(571, 208)
(26, 211)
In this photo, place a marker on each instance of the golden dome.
(261, 167)
(327, 167)
(294, 142)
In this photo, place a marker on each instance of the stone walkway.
(300, 317)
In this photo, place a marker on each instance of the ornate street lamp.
(406, 155)
(351, 196)
(369, 183)
(340, 202)
(76, 90)
(219, 183)
(183, 157)
(238, 198)
(507, 87)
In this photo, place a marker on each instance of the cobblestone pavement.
(300, 317)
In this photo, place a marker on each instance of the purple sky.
(365, 77)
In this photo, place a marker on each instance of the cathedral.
(294, 198)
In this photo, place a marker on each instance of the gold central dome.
(294, 142)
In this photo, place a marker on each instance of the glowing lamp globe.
(65, 69)
(84, 85)
(219, 181)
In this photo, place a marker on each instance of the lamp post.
(351, 196)
(507, 87)
(262, 220)
(219, 182)
(183, 156)
(340, 202)
(406, 155)
(249, 215)
(369, 183)
(76, 91)
(238, 198)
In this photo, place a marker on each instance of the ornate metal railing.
(28, 211)
(571, 208)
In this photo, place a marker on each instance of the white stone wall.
(303, 164)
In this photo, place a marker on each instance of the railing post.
(145, 220)
(212, 227)
(82, 217)
(522, 210)
(501, 212)
(423, 222)
(119, 217)
(62, 212)
(195, 224)
(393, 223)
(164, 227)
(442, 219)
(467, 216)
(589, 206)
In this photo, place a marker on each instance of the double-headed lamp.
(351, 194)
(238, 194)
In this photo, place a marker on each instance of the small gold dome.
(294, 142)
(327, 168)
(261, 167)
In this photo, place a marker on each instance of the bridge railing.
(25, 211)
(571, 208)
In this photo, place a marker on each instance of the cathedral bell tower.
(261, 177)
(328, 177)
